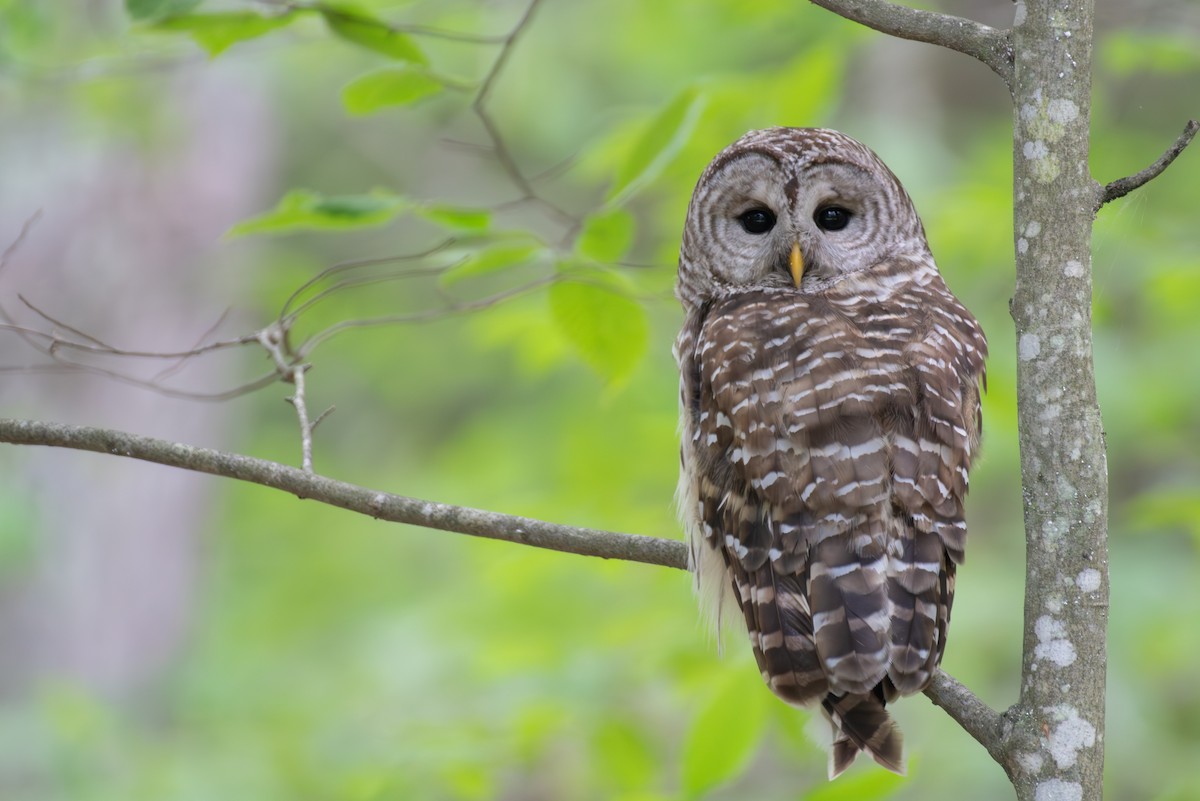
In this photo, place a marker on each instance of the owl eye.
(831, 218)
(757, 221)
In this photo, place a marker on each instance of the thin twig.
(66, 367)
(361, 281)
(172, 369)
(13, 246)
(356, 264)
(301, 406)
(499, 146)
(274, 338)
(56, 343)
(989, 45)
(102, 345)
(309, 345)
(1123, 186)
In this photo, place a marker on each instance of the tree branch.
(1123, 186)
(380, 505)
(975, 717)
(991, 46)
(979, 720)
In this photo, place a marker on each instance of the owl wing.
(933, 447)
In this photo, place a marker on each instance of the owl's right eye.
(757, 220)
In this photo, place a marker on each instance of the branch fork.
(275, 340)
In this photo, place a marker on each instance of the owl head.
(794, 207)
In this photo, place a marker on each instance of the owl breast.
(826, 443)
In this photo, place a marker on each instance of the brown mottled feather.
(831, 482)
(828, 428)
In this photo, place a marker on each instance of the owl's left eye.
(831, 218)
(757, 221)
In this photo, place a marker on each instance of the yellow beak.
(796, 262)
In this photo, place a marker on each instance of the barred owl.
(830, 387)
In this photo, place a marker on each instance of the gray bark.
(1055, 745)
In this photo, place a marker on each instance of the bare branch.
(13, 246)
(982, 42)
(300, 403)
(499, 145)
(380, 505)
(356, 264)
(310, 344)
(172, 369)
(274, 339)
(1123, 186)
(104, 346)
(975, 717)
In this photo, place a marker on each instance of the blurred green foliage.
(339, 658)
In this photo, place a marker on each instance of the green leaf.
(625, 757)
(387, 87)
(872, 784)
(606, 235)
(150, 10)
(216, 32)
(372, 33)
(607, 327)
(492, 258)
(664, 136)
(458, 218)
(724, 735)
(305, 209)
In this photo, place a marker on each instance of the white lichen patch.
(1028, 347)
(1035, 150)
(1047, 169)
(1058, 790)
(1052, 530)
(1073, 269)
(1022, 245)
(1088, 580)
(1069, 736)
(1030, 763)
(1066, 490)
(1053, 644)
(1033, 229)
(1061, 110)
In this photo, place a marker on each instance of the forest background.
(168, 635)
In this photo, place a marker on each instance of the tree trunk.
(1055, 747)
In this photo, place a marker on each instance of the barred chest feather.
(827, 440)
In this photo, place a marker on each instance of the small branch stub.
(1123, 186)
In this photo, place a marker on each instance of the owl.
(830, 403)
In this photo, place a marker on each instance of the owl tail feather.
(860, 723)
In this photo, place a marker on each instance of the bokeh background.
(165, 635)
